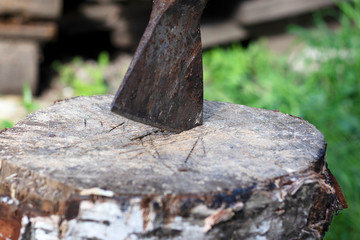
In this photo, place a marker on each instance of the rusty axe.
(163, 86)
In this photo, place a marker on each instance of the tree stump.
(77, 171)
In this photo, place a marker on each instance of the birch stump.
(77, 171)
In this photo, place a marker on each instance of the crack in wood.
(155, 148)
(27, 232)
(144, 135)
(191, 151)
(106, 223)
(117, 126)
(157, 154)
(167, 233)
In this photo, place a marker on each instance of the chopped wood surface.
(244, 173)
(83, 143)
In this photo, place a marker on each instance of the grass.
(28, 100)
(326, 93)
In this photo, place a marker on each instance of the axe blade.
(163, 86)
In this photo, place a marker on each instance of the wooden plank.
(258, 11)
(32, 31)
(108, 13)
(77, 171)
(48, 9)
(221, 33)
(18, 64)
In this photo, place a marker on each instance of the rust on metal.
(163, 86)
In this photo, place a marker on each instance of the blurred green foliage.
(28, 100)
(5, 124)
(325, 92)
(84, 78)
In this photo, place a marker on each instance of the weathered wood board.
(221, 33)
(259, 11)
(19, 62)
(77, 171)
(32, 9)
(32, 31)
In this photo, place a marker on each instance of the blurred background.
(299, 57)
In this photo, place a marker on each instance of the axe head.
(163, 86)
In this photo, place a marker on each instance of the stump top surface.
(81, 143)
